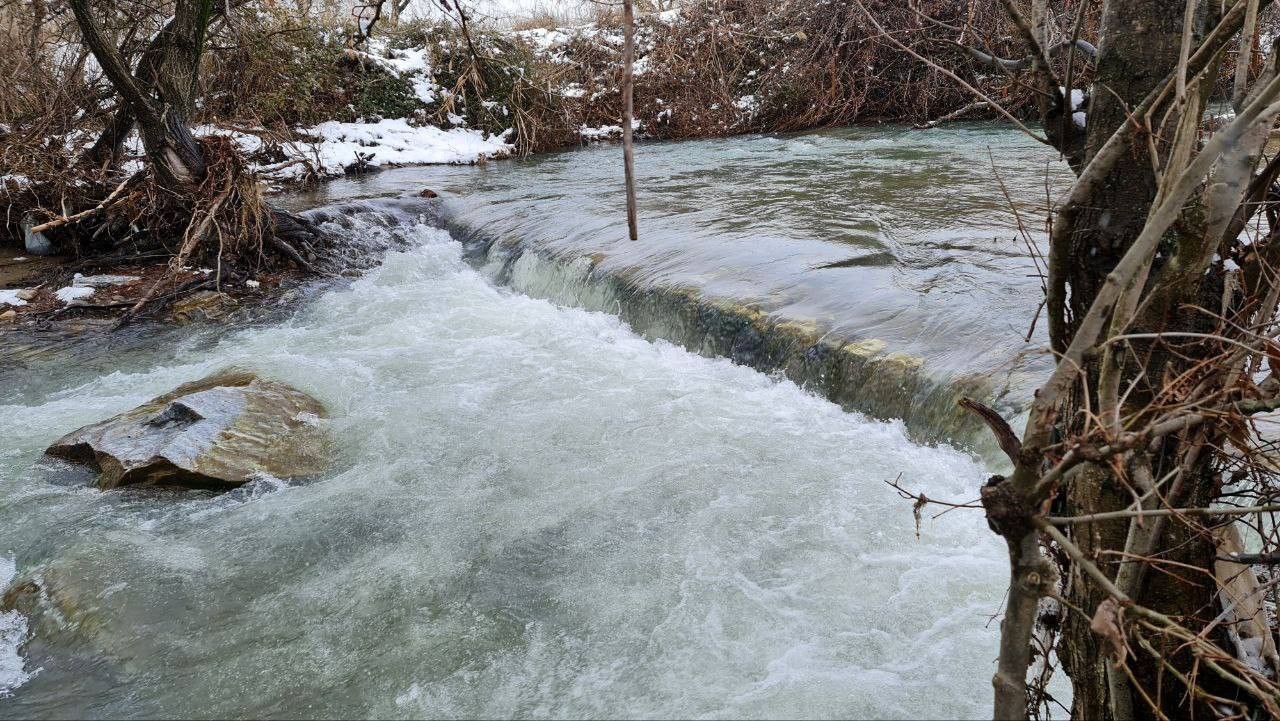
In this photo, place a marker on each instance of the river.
(538, 511)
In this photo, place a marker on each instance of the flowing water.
(536, 511)
(899, 241)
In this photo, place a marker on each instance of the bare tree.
(161, 100)
(207, 195)
(1140, 465)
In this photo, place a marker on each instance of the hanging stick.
(628, 83)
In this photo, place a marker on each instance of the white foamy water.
(536, 513)
(13, 630)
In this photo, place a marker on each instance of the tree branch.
(112, 64)
(1005, 436)
(1083, 46)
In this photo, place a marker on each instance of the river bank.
(422, 91)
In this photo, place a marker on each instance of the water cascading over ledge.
(874, 266)
(859, 374)
(866, 374)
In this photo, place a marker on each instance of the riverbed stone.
(218, 432)
(205, 306)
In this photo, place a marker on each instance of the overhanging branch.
(1083, 46)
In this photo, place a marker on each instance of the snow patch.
(1077, 97)
(395, 141)
(544, 40)
(10, 297)
(71, 292)
(338, 145)
(604, 132)
(412, 63)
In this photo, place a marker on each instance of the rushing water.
(536, 512)
(919, 226)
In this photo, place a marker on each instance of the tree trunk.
(1139, 48)
(159, 99)
(1141, 42)
(159, 104)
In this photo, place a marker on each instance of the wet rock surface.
(219, 432)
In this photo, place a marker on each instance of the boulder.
(219, 432)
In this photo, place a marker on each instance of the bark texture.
(1140, 47)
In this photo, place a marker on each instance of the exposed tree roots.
(223, 224)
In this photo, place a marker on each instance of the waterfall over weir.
(879, 268)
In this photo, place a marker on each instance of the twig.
(59, 222)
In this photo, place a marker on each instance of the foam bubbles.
(13, 631)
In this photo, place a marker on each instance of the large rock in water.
(218, 432)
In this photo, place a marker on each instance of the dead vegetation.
(1139, 513)
(76, 184)
(732, 66)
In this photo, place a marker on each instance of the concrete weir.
(860, 374)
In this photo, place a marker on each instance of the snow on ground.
(413, 63)
(604, 132)
(71, 292)
(396, 141)
(10, 297)
(392, 141)
(330, 148)
(543, 40)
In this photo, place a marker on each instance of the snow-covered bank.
(335, 148)
(398, 142)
